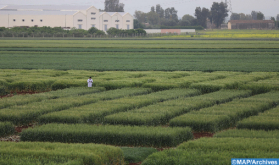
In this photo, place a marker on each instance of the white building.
(67, 17)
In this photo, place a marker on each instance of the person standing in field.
(90, 82)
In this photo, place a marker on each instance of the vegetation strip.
(217, 151)
(30, 112)
(59, 153)
(161, 113)
(107, 134)
(226, 115)
(246, 133)
(28, 98)
(267, 120)
(94, 113)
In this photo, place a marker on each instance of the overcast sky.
(268, 7)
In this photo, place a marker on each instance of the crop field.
(141, 55)
(151, 101)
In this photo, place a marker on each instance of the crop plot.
(29, 112)
(107, 134)
(267, 120)
(223, 116)
(93, 113)
(161, 113)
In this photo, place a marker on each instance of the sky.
(268, 7)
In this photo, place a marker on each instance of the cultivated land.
(146, 94)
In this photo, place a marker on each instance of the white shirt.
(90, 82)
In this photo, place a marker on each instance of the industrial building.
(67, 17)
(251, 24)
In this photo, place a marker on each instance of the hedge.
(246, 133)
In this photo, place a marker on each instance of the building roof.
(250, 21)
(112, 13)
(46, 7)
(6, 12)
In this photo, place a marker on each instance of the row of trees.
(253, 16)
(168, 17)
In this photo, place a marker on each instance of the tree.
(187, 17)
(153, 18)
(160, 11)
(114, 6)
(245, 17)
(202, 15)
(260, 16)
(219, 12)
(137, 24)
(152, 9)
(254, 15)
(235, 16)
(277, 18)
(140, 16)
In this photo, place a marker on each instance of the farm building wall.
(178, 31)
(70, 17)
(251, 24)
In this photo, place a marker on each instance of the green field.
(146, 95)
(141, 55)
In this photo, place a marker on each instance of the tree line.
(158, 17)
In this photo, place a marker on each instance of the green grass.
(59, 153)
(143, 61)
(6, 128)
(137, 154)
(24, 114)
(267, 120)
(108, 134)
(245, 133)
(161, 113)
(226, 115)
(94, 113)
(215, 151)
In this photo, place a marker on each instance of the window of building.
(79, 20)
(105, 20)
(23, 20)
(41, 20)
(127, 20)
(128, 27)
(117, 26)
(32, 20)
(14, 20)
(93, 13)
(116, 20)
(106, 27)
(80, 26)
(93, 25)
(93, 18)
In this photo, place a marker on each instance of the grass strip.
(246, 133)
(215, 151)
(108, 134)
(267, 120)
(51, 153)
(30, 112)
(28, 98)
(94, 113)
(223, 116)
(161, 113)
